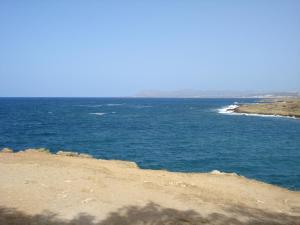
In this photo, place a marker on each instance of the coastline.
(68, 184)
(253, 109)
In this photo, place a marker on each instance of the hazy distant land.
(188, 93)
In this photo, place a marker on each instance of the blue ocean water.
(174, 134)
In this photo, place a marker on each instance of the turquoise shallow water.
(174, 134)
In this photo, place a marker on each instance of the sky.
(118, 48)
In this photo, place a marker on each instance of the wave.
(142, 106)
(98, 114)
(92, 106)
(228, 109)
(114, 104)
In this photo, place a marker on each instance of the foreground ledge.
(69, 189)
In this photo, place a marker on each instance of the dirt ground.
(43, 188)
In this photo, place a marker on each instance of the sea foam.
(263, 115)
(228, 109)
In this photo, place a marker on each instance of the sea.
(186, 135)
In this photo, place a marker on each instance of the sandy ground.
(42, 188)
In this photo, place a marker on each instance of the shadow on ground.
(151, 214)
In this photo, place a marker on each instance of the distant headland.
(189, 93)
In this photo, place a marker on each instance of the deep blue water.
(173, 134)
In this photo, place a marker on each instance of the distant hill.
(214, 94)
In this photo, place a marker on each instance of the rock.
(7, 150)
(67, 153)
(73, 154)
(216, 172)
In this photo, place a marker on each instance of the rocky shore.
(279, 107)
(69, 188)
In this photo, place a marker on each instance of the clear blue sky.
(117, 48)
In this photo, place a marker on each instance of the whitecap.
(98, 114)
(92, 106)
